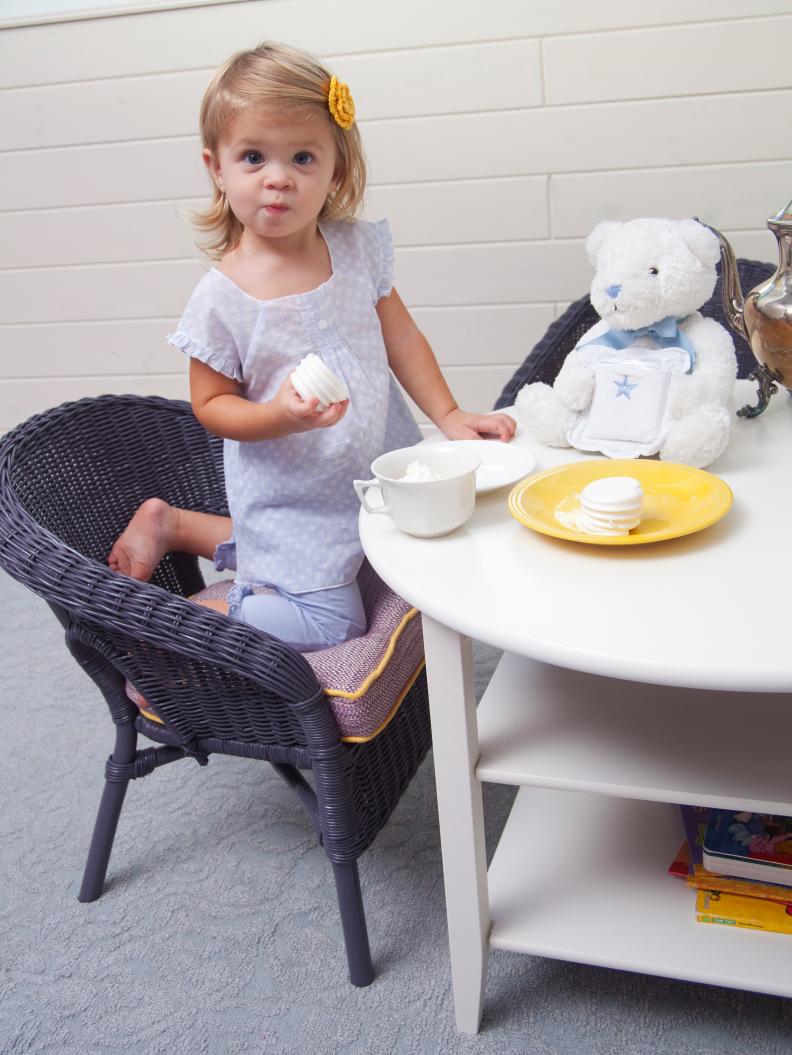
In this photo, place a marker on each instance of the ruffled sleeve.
(207, 329)
(377, 242)
(385, 240)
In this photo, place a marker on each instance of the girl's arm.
(413, 362)
(223, 411)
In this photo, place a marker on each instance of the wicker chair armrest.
(69, 479)
(111, 603)
(89, 590)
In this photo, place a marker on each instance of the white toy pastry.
(313, 380)
(610, 506)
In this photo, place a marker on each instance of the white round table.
(603, 711)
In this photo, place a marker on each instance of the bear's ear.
(599, 237)
(700, 240)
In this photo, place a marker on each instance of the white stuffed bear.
(653, 376)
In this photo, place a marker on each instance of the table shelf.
(583, 877)
(551, 727)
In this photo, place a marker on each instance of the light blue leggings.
(306, 621)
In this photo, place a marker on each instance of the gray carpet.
(218, 932)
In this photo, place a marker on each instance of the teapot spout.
(782, 221)
(733, 301)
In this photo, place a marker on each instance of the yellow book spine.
(734, 910)
(701, 879)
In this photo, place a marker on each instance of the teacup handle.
(361, 486)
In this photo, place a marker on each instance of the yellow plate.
(678, 500)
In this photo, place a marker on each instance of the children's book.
(680, 866)
(735, 910)
(695, 821)
(749, 845)
(701, 879)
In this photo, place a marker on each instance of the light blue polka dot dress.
(291, 500)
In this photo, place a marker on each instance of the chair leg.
(107, 818)
(353, 922)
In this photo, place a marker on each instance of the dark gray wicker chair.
(545, 359)
(70, 479)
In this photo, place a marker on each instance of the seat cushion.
(366, 678)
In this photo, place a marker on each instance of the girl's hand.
(300, 415)
(460, 425)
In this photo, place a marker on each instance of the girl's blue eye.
(253, 157)
(303, 158)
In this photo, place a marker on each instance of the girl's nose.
(613, 291)
(276, 176)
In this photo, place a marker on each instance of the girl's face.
(276, 172)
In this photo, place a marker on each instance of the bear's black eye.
(653, 271)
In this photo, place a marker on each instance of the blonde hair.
(285, 80)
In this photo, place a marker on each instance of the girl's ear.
(213, 168)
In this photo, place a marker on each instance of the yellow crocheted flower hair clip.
(341, 104)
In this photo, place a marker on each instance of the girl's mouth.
(276, 208)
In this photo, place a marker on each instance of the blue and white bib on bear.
(629, 415)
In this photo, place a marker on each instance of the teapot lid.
(782, 219)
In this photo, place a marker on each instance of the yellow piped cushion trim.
(391, 713)
(380, 667)
(341, 104)
(346, 739)
(152, 717)
(365, 686)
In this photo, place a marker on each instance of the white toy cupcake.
(610, 506)
(313, 380)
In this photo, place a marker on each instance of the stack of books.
(740, 865)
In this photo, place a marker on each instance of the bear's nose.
(613, 291)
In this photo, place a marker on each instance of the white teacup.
(425, 508)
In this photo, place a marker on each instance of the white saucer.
(502, 464)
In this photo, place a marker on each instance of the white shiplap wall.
(497, 135)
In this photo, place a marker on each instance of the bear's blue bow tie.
(665, 333)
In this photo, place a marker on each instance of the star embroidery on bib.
(624, 388)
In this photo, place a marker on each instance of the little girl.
(296, 274)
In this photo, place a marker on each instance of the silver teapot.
(764, 317)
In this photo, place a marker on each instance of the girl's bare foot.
(145, 540)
